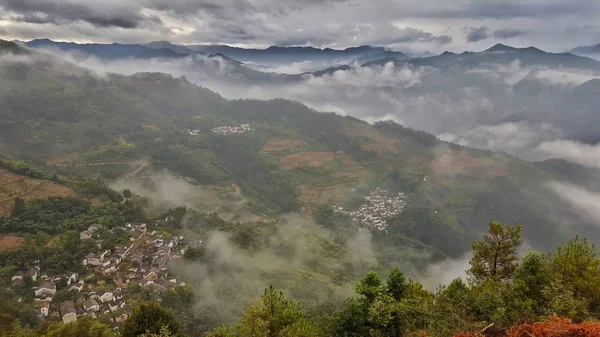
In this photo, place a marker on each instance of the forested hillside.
(293, 158)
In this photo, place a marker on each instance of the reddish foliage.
(552, 327)
(555, 327)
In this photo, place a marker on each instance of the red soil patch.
(14, 186)
(316, 159)
(49, 189)
(321, 195)
(381, 144)
(282, 145)
(96, 202)
(9, 242)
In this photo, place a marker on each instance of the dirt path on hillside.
(141, 163)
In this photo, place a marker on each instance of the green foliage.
(396, 284)
(25, 169)
(324, 216)
(496, 256)
(83, 327)
(11, 327)
(533, 278)
(257, 179)
(577, 268)
(275, 316)
(370, 287)
(423, 224)
(151, 318)
(58, 214)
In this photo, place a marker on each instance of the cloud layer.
(406, 24)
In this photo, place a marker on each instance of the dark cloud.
(501, 9)
(508, 33)
(375, 34)
(411, 35)
(332, 23)
(474, 34)
(42, 11)
(221, 9)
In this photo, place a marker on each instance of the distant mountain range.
(502, 84)
(104, 51)
(499, 54)
(271, 56)
(282, 55)
(590, 51)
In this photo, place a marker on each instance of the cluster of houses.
(193, 132)
(143, 261)
(378, 207)
(228, 130)
(85, 300)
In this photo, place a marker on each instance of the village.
(102, 291)
(378, 207)
(228, 130)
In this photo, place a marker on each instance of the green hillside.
(292, 158)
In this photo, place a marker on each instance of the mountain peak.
(500, 47)
(44, 40)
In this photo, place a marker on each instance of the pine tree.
(496, 256)
(577, 268)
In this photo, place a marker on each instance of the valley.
(188, 204)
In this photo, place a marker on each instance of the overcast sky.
(407, 25)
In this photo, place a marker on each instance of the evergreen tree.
(496, 256)
(370, 287)
(396, 284)
(577, 268)
(532, 278)
(151, 318)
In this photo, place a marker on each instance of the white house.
(105, 296)
(109, 269)
(91, 305)
(77, 286)
(91, 260)
(72, 278)
(45, 288)
(113, 306)
(67, 312)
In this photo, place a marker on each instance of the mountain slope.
(289, 158)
